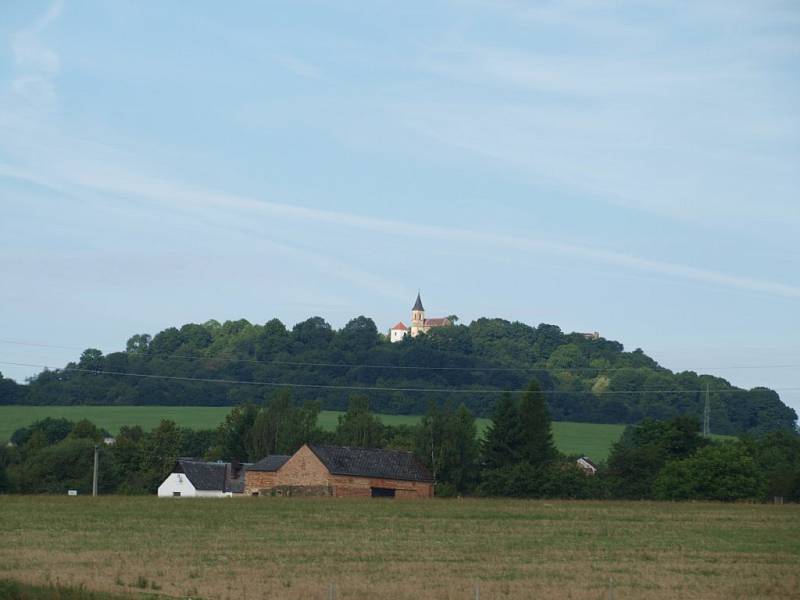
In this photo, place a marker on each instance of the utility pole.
(707, 416)
(94, 478)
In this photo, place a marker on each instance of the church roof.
(418, 303)
(400, 325)
(437, 322)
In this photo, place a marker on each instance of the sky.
(631, 168)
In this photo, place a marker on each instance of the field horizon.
(590, 439)
(252, 548)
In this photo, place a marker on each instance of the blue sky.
(626, 167)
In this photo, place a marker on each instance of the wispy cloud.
(79, 177)
(35, 62)
(692, 128)
(298, 66)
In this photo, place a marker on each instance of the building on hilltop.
(398, 332)
(419, 324)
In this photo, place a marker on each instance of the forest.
(238, 362)
(662, 460)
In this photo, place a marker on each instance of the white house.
(585, 463)
(398, 332)
(197, 479)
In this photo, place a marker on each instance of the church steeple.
(417, 317)
(418, 304)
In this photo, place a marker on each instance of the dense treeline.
(663, 460)
(592, 380)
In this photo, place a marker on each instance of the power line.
(278, 384)
(403, 367)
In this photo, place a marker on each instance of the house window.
(176, 494)
(378, 492)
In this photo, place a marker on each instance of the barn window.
(176, 494)
(378, 492)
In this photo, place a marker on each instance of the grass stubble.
(253, 548)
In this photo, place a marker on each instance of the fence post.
(610, 588)
(477, 591)
(332, 592)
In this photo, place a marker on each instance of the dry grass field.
(254, 548)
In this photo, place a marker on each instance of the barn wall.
(354, 487)
(258, 480)
(303, 469)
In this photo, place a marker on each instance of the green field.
(591, 439)
(292, 548)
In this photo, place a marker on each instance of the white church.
(419, 324)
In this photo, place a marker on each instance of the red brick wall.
(345, 486)
(258, 480)
(303, 468)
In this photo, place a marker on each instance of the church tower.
(417, 317)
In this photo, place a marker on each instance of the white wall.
(396, 335)
(177, 482)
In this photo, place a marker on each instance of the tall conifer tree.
(501, 446)
(537, 446)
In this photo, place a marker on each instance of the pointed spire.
(418, 303)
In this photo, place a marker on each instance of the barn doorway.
(378, 492)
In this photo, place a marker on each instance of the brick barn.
(261, 475)
(316, 470)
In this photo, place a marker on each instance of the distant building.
(585, 463)
(594, 335)
(340, 471)
(398, 332)
(419, 324)
(198, 479)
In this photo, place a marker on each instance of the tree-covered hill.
(592, 380)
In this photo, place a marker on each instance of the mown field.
(571, 438)
(252, 548)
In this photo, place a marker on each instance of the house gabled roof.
(400, 325)
(588, 461)
(418, 304)
(270, 463)
(204, 476)
(371, 462)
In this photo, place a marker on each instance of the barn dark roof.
(204, 476)
(273, 462)
(371, 462)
